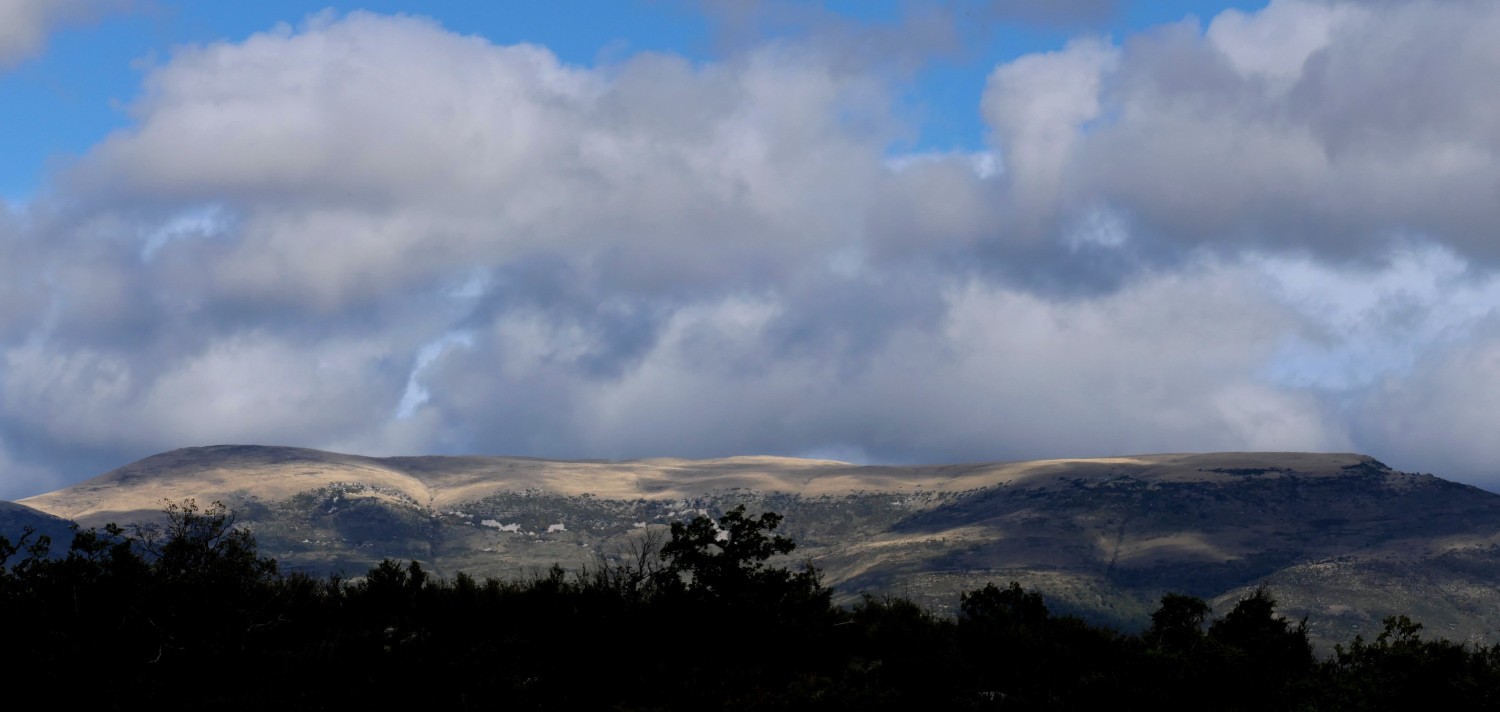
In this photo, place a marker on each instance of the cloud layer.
(370, 233)
(26, 24)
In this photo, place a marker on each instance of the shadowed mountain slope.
(16, 520)
(1341, 538)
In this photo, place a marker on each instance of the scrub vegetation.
(697, 617)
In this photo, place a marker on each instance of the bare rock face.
(1340, 538)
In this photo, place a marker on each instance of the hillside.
(16, 520)
(1341, 538)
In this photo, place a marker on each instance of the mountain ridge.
(247, 460)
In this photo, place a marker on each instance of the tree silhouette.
(728, 555)
(188, 609)
(1177, 625)
(1262, 655)
(203, 546)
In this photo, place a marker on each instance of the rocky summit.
(1339, 538)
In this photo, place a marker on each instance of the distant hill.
(16, 519)
(1340, 538)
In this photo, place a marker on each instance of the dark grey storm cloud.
(372, 234)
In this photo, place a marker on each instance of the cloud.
(1038, 106)
(373, 234)
(1001, 373)
(337, 195)
(1440, 416)
(1336, 128)
(26, 24)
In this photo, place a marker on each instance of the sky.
(879, 232)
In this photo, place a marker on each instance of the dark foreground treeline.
(189, 614)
